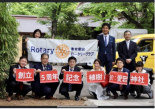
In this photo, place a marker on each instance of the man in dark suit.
(67, 87)
(42, 89)
(115, 87)
(127, 50)
(15, 86)
(107, 49)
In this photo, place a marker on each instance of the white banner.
(60, 50)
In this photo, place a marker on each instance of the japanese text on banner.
(118, 77)
(139, 78)
(72, 77)
(95, 76)
(24, 75)
(60, 50)
(48, 76)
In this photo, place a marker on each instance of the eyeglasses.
(127, 34)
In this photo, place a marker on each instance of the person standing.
(36, 34)
(127, 50)
(107, 50)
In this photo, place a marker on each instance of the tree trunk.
(132, 20)
(54, 21)
(54, 28)
(54, 24)
(103, 15)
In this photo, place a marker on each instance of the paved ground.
(91, 101)
(110, 102)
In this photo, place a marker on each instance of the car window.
(145, 45)
(135, 39)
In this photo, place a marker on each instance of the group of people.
(127, 51)
(42, 89)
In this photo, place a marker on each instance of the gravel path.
(28, 101)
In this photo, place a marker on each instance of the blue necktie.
(70, 85)
(105, 42)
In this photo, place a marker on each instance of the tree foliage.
(137, 14)
(24, 8)
(68, 27)
(75, 32)
(8, 42)
(54, 11)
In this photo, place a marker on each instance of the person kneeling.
(125, 88)
(67, 87)
(96, 88)
(139, 88)
(42, 89)
(15, 86)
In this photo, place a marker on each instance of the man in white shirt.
(41, 89)
(127, 50)
(15, 86)
(107, 51)
(67, 87)
(115, 87)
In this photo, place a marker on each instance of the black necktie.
(44, 67)
(70, 85)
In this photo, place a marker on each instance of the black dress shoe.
(67, 97)
(76, 98)
(137, 97)
(122, 93)
(108, 93)
(115, 96)
(125, 97)
(94, 95)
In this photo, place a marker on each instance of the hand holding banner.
(24, 75)
(60, 50)
(48, 76)
(95, 76)
(118, 77)
(72, 77)
(139, 78)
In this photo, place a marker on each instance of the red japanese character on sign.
(125, 78)
(48, 76)
(95, 76)
(76, 77)
(111, 77)
(98, 76)
(69, 77)
(139, 78)
(72, 77)
(24, 75)
(92, 77)
(118, 77)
